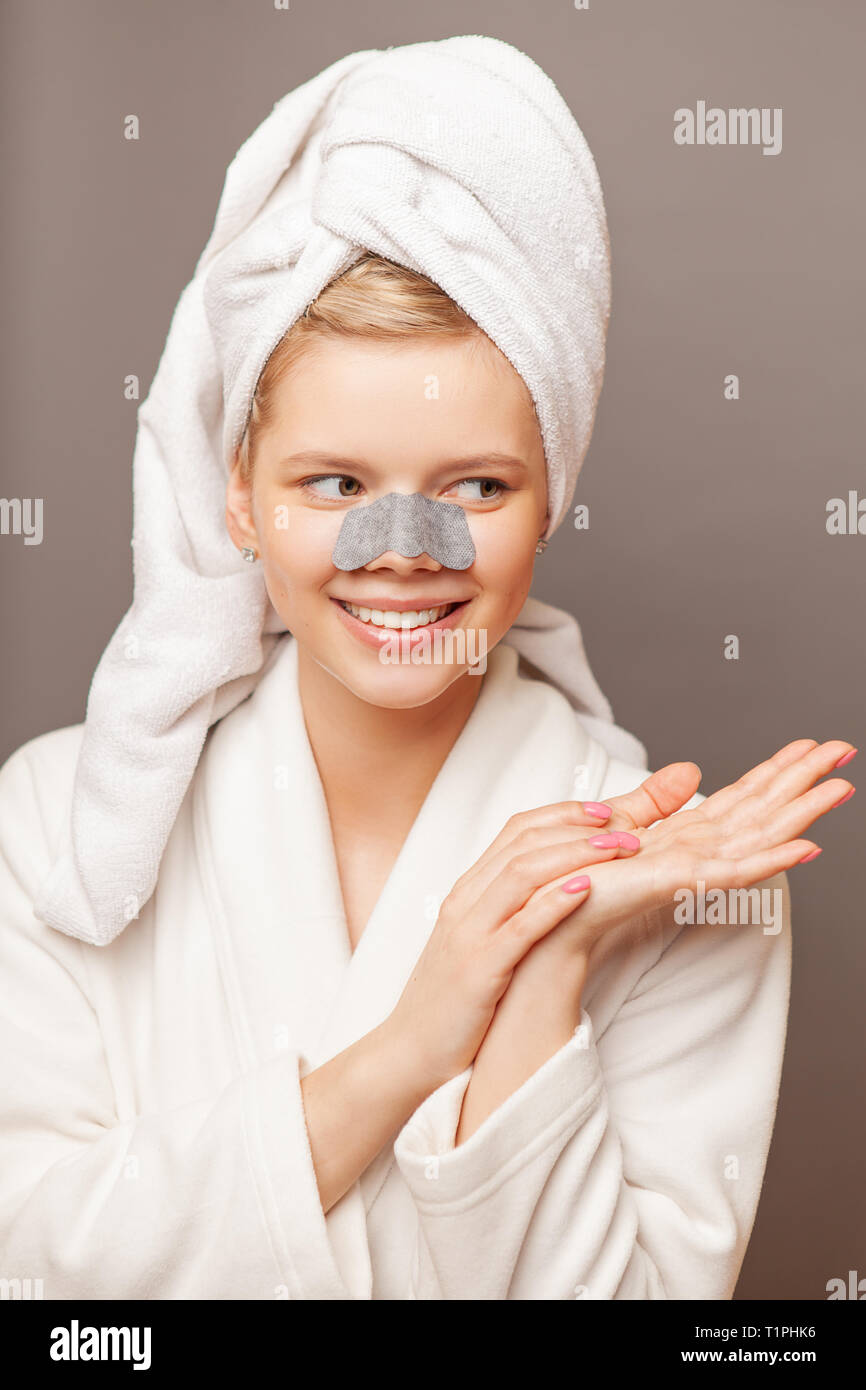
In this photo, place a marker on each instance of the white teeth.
(390, 618)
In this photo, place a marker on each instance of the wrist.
(538, 1014)
(406, 1061)
(559, 961)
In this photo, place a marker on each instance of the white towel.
(456, 158)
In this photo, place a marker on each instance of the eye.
(323, 486)
(489, 489)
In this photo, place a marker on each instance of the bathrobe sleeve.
(628, 1166)
(213, 1199)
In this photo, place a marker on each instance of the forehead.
(432, 392)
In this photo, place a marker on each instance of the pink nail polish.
(575, 885)
(597, 809)
(807, 857)
(846, 757)
(616, 839)
(627, 840)
(846, 797)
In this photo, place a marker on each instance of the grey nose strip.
(410, 524)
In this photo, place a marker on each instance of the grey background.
(707, 516)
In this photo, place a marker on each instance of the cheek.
(504, 550)
(298, 547)
(504, 564)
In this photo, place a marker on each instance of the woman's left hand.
(743, 834)
(541, 1004)
(737, 837)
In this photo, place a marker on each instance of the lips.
(419, 623)
(398, 619)
(402, 604)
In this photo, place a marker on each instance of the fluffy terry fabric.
(155, 1146)
(456, 158)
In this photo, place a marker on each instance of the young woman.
(425, 1002)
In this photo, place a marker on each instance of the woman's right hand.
(510, 900)
(492, 917)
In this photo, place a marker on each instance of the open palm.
(742, 834)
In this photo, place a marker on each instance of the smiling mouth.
(409, 619)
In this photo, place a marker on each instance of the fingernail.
(618, 839)
(807, 857)
(599, 810)
(575, 885)
(627, 840)
(846, 757)
(846, 797)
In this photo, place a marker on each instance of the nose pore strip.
(409, 524)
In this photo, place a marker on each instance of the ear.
(239, 517)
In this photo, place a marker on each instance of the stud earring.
(541, 547)
(249, 554)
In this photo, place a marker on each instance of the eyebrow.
(335, 461)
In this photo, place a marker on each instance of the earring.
(541, 547)
(249, 554)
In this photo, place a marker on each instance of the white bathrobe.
(153, 1142)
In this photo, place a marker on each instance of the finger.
(804, 774)
(754, 868)
(787, 773)
(757, 777)
(621, 890)
(559, 816)
(537, 919)
(524, 874)
(792, 820)
(538, 838)
(663, 793)
(626, 892)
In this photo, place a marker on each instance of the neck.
(365, 752)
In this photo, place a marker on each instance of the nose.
(403, 564)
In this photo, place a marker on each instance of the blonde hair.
(374, 299)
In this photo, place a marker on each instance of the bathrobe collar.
(269, 869)
(262, 827)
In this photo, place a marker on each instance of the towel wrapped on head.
(458, 159)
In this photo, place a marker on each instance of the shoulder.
(47, 762)
(35, 793)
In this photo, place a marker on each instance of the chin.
(401, 686)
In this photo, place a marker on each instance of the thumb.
(659, 796)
